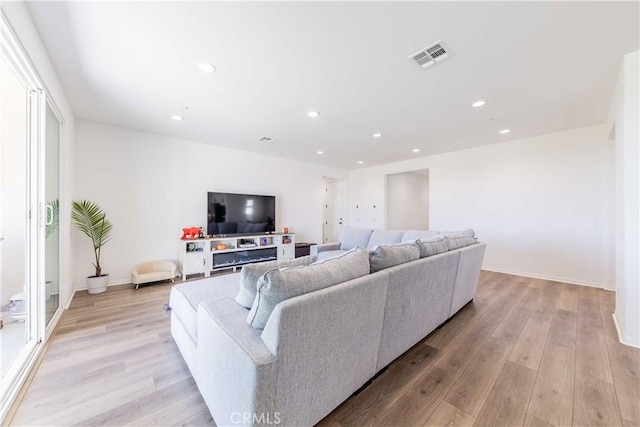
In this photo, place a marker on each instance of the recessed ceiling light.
(320, 152)
(313, 114)
(479, 103)
(504, 131)
(377, 135)
(360, 162)
(416, 150)
(177, 118)
(206, 67)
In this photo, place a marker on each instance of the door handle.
(48, 215)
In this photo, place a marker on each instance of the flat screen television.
(229, 213)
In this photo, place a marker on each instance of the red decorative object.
(190, 233)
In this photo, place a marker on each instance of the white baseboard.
(552, 278)
(630, 341)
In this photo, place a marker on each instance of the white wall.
(20, 20)
(623, 122)
(152, 186)
(407, 201)
(539, 203)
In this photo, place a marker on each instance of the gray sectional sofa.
(317, 347)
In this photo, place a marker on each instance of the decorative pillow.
(384, 237)
(251, 273)
(279, 285)
(432, 246)
(351, 237)
(387, 256)
(413, 235)
(469, 232)
(457, 242)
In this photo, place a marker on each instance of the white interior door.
(333, 210)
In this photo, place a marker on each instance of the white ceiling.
(542, 67)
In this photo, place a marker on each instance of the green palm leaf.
(91, 220)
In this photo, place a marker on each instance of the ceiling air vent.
(432, 54)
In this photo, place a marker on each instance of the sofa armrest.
(235, 371)
(316, 249)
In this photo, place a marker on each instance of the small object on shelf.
(191, 247)
(190, 233)
(201, 234)
(285, 230)
(221, 247)
(286, 240)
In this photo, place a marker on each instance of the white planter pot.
(97, 285)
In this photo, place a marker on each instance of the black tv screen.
(229, 213)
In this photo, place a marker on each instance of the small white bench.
(153, 271)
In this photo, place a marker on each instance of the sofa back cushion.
(457, 242)
(279, 285)
(469, 232)
(351, 237)
(384, 237)
(252, 272)
(387, 256)
(413, 235)
(432, 246)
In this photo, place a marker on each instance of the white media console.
(202, 256)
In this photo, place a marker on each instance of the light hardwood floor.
(525, 352)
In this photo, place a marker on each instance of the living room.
(528, 132)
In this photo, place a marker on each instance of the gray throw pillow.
(279, 285)
(387, 256)
(351, 237)
(413, 235)
(457, 242)
(432, 246)
(251, 273)
(384, 237)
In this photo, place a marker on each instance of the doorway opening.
(408, 200)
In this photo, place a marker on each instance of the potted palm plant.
(91, 220)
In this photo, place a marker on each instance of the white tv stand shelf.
(202, 256)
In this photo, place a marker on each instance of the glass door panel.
(51, 214)
(18, 320)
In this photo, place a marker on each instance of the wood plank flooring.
(525, 352)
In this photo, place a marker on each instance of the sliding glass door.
(30, 146)
(18, 323)
(51, 213)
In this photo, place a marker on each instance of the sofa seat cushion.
(388, 256)
(186, 297)
(457, 242)
(384, 237)
(413, 235)
(432, 246)
(351, 237)
(252, 272)
(279, 285)
(330, 254)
